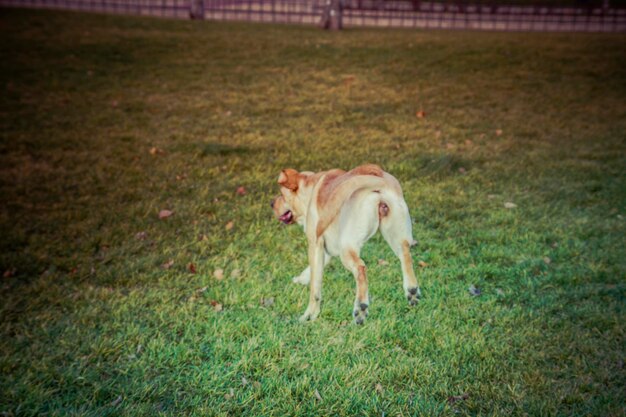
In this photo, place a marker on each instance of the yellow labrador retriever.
(339, 212)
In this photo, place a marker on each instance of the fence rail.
(479, 15)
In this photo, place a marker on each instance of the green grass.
(92, 325)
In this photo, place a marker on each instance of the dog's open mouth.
(287, 217)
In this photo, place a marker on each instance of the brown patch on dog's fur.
(361, 284)
(408, 263)
(369, 169)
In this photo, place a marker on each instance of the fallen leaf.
(462, 170)
(509, 205)
(267, 302)
(468, 142)
(202, 238)
(499, 292)
(244, 381)
(474, 291)
(449, 146)
(379, 388)
(230, 225)
(491, 196)
(456, 398)
(383, 262)
(192, 268)
(164, 214)
(256, 384)
(114, 103)
(201, 290)
(156, 151)
(141, 236)
(422, 264)
(228, 113)
(554, 245)
(498, 132)
(9, 273)
(420, 114)
(168, 264)
(235, 273)
(218, 274)
(241, 190)
(348, 80)
(317, 395)
(117, 401)
(181, 177)
(217, 307)
(230, 395)
(547, 260)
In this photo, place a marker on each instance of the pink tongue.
(286, 217)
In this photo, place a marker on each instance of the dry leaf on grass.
(241, 190)
(164, 214)
(217, 307)
(230, 395)
(420, 114)
(422, 264)
(218, 274)
(267, 302)
(379, 388)
(547, 260)
(141, 236)
(156, 151)
(117, 401)
(509, 205)
(235, 273)
(317, 395)
(192, 268)
(168, 264)
(456, 398)
(498, 132)
(462, 170)
(230, 225)
(9, 273)
(474, 291)
(383, 262)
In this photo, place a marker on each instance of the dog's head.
(291, 205)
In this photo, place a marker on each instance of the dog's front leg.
(316, 263)
(305, 276)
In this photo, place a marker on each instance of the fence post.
(196, 9)
(331, 18)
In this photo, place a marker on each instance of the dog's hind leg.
(395, 226)
(351, 260)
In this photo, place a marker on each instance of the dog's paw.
(310, 314)
(360, 313)
(301, 280)
(413, 295)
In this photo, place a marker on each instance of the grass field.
(107, 120)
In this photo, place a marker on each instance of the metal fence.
(377, 13)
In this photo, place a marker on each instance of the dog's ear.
(288, 178)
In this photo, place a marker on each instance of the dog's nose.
(272, 204)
